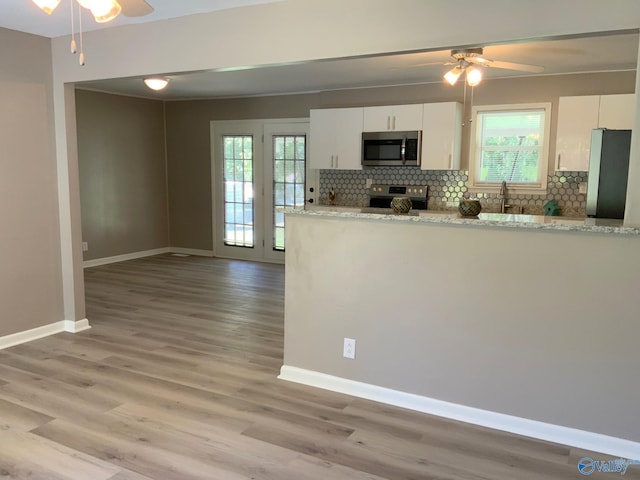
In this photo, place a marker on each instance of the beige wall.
(316, 29)
(121, 158)
(30, 276)
(188, 145)
(536, 324)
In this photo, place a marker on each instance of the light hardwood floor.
(177, 381)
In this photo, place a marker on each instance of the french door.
(259, 169)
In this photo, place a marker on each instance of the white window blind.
(510, 147)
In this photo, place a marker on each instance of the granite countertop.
(503, 220)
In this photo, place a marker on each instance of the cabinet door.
(322, 141)
(441, 136)
(377, 119)
(392, 118)
(407, 117)
(348, 138)
(617, 111)
(577, 116)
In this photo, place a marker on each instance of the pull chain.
(464, 101)
(74, 48)
(81, 58)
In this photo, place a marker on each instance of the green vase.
(400, 205)
(469, 208)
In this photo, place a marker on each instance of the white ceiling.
(588, 54)
(591, 54)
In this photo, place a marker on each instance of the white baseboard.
(146, 253)
(123, 258)
(192, 251)
(531, 428)
(77, 326)
(44, 331)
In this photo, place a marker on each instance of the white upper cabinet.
(441, 136)
(336, 138)
(392, 118)
(617, 111)
(578, 116)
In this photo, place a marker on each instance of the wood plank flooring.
(177, 381)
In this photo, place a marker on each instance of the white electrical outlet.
(582, 188)
(85, 246)
(369, 182)
(349, 348)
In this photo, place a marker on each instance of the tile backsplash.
(350, 187)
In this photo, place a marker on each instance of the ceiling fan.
(135, 8)
(466, 61)
(103, 10)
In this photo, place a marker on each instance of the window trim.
(516, 189)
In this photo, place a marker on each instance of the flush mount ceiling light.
(156, 83)
(103, 11)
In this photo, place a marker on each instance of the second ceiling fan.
(466, 61)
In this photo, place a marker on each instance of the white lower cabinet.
(441, 136)
(336, 138)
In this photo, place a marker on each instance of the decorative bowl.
(400, 205)
(469, 208)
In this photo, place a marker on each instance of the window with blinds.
(511, 146)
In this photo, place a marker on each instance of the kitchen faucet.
(503, 197)
(503, 200)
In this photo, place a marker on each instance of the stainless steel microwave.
(391, 149)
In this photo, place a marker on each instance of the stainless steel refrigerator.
(608, 172)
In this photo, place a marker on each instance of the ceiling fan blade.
(429, 64)
(135, 8)
(507, 65)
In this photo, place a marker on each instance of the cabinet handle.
(388, 122)
(450, 162)
(331, 161)
(394, 122)
(336, 161)
(558, 164)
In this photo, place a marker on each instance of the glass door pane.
(289, 156)
(238, 190)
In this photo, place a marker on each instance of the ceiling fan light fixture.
(105, 10)
(156, 83)
(47, 6)
(474, 76)
(452, 75)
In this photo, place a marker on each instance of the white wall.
(295, 30)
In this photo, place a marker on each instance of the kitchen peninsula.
(530, 327)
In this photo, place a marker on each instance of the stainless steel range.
(380, 196)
